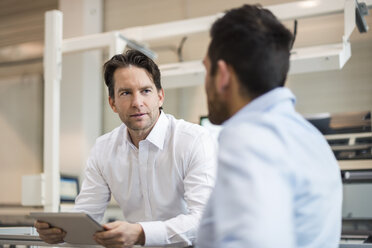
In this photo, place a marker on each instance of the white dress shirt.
(163, 185)
(278, 182)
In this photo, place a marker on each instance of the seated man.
(159, 169)
(278, 182)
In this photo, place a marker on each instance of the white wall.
(21, 133)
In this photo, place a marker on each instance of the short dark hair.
(255, 44)
(131, 57)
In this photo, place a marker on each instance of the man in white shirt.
(278, 182)
(160, 170)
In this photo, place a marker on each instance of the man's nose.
(137, 100)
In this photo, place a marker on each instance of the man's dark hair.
(131, 57)
(255, 44)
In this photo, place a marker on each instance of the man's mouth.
(137, 115)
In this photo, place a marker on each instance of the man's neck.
(137, 135)
(238, 103)
(238, 97)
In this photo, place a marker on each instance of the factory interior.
(53, 99)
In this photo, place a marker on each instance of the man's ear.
(223, 77)
(112, 104)
(161, 97)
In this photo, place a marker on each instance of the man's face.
(137, 100)
(217, 108)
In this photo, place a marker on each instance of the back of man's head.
(255, 44)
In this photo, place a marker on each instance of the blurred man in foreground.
(278, 182)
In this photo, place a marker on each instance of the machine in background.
(350, 137)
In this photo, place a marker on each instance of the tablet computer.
(79, 227)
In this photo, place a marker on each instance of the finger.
(111, 225)
(106, 235)
(50, 231)
(60, 235)
(110, 242)
(52, 236)
(99, 241)
(41, 225)
(52, 239)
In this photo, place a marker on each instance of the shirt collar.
(158, 132)
(265, 102)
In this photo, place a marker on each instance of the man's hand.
(48, 234)
(120, 234)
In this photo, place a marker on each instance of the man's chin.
(218, 117)
(214, 121)
(138, 126)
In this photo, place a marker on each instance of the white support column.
(117, 46)
(349, 19)
(81, 84)
(52, 79)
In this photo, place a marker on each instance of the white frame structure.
(319, 58)
(52, 79)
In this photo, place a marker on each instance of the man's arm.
(198, 184)
(95, 193)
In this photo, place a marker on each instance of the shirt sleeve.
(95, 193)
(252, 202)
(198, 183)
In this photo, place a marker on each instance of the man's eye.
(147, 91)
(124, 93)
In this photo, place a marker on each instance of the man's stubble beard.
(217, 109)
(150, 123)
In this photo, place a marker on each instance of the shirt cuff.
(155, 233)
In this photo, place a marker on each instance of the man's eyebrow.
(146, 87)
(124, 89)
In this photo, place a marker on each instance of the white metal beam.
(87, 42)
(170, 29)
(319, 58)
(117, 44)
(183, 74)
(52, 78)
(292, 10)
(303, 60)
(286, 11)
(349, 19)
(307, 8)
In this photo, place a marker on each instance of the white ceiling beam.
(319, 58)
(87, 42)
(286, 11)
(302, 60)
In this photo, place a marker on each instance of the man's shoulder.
(247, 125)
(185, 128)
(110, 136)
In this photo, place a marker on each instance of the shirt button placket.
(143, 158)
